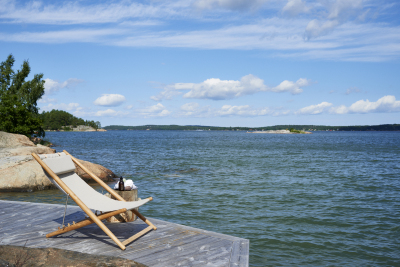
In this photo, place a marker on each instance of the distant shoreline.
(88, 131)
(313, 128)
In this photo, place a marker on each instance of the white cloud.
(45, 100)
(295, 7)
(158, 110)
(168, 93)
(85, 112)
(339, 12)
(316, 28)
(52, 86)
(190, 109)
(64, 36)
(292, 87)
(110, 100)
(342, 9)
(353, 90)
(217, 89)
(246, 110)
(73, 12)
(315, 109)
(385, 104)
(340, 30)
(140, 23)
(108, 113)
(229, 4)
(195, 110)
(273, 33)
(342, 109)
(62, 106)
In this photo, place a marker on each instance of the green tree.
(18, 99)
(98, 124)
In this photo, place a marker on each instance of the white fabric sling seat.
(93, 199)
(60, 169)
(62, 165)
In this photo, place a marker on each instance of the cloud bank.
(295, 7)
(386, 104)
(195, 110)
(217, 89)
(348, 30)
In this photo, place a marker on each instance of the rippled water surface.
(330, 198)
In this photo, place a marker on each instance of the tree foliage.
(57, 119)
(18, 99)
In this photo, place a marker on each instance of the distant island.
(291, 131)
(59, 120)
(382, 127)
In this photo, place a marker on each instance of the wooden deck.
(170, 245)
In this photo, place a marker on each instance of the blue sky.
(211, 62)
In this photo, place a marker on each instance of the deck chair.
(59, 168)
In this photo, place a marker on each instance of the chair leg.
(141, 233)
(136, 236)
(109, 233)
(143, 219)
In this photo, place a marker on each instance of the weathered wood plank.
(195, 253)
(168, 249)
(27, 218)
(240, 253)
(170, 245)
(200, 231)
(139, 246)
(8, 210)
(142, 249)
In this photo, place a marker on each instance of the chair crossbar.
(136, 236)
(84, 222)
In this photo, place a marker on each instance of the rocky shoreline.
(20, 172)
(24, 256)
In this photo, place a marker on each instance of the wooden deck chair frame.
(93, 218)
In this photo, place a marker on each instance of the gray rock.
(4, 263)
(24, 256)
(19, 171)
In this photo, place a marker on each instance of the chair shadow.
(93, 232)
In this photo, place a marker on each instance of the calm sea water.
(326, 199)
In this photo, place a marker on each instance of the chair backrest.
(63, 166)
(60, 163)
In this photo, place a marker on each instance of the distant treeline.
(57, 119)
(383, 127)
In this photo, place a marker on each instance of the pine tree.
(18, 99)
